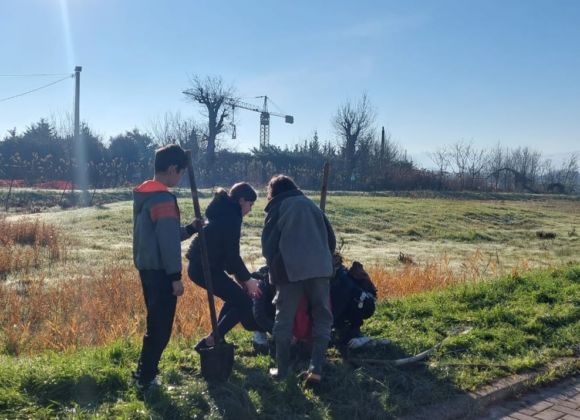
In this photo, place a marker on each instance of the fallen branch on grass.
(408, 360)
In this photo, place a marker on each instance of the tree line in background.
(361, 158)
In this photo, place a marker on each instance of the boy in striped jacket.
(157, 236)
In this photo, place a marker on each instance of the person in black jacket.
(222, 233)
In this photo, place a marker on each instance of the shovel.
(217, 361)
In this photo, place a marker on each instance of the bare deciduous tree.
(63, 123)
(496, 160)
(173, 128)
(441, 158)
(459, 154)
(211, 93)
(475, 165)
(525, 162)
(570, 172)
(354, 122)
(563, 180)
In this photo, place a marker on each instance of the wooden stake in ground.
(324, 190)
(8, 195)
(62, 195)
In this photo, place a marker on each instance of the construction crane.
(264, 118)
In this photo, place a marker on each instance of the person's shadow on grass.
(377, 387)
(251, 393)
(358, 384)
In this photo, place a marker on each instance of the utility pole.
(80, 149)
(382, 145)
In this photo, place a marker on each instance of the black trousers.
(160, 302)
(237, 304)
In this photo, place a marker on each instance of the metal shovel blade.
(217, 362)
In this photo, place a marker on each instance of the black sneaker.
(201, 345)
(143, 386)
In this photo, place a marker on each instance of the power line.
(34, 75)
(34, 90)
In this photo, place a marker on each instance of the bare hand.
(253, 288)
(177, 288)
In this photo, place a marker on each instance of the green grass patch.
(514, 324)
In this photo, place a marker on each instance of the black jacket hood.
(222, 235)
(222, 207)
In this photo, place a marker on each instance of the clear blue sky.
(436, 71)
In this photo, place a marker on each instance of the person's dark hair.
(171, 154)
(280, 184)
(239, 190)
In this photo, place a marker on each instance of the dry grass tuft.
(89, 309)
(25, 244)
(410, 279)
(80, 312)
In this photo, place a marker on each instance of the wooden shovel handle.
(203, 243)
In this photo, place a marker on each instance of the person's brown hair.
(280, 184)
(171, 154)
(237, 191)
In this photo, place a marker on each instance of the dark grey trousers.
(287, 298)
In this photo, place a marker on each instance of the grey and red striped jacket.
(157, 230)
